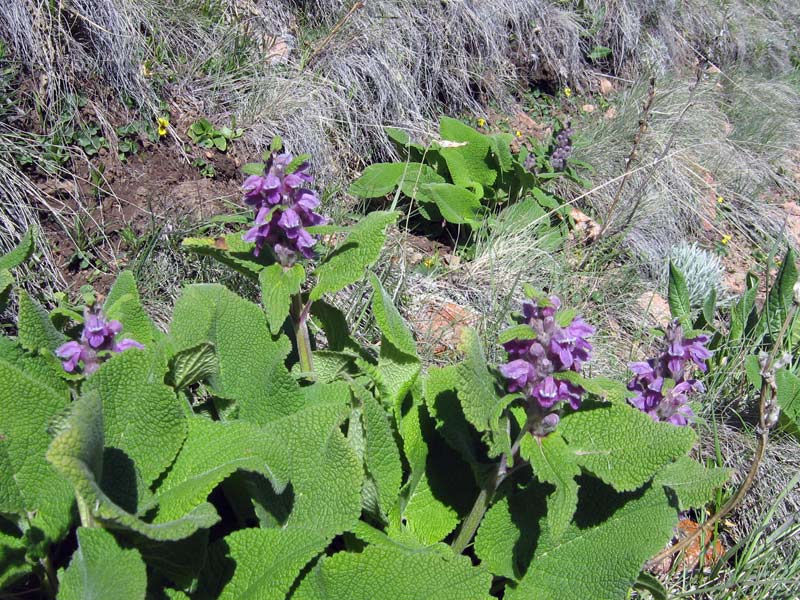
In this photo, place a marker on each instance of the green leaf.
(554, 462)
(752, 369)
(478, 393)
(251, 367)
(743, 315)
(516, 332)
(420, 514)
(20, 253)
(510, 531)
(232, 251)
(100, 569)
(398, 363)
(780, 297)
(347, 263)
(622, 445)
(470, 162)
(77, 453)
(604, 559)
(415, 181)
(13, 565)
(6, 283)
(278, 285)
(383, 572)
(254, 168)
(143, 417)
(651, 585)
(35, 330)
(268, 561)
(788, 396)
(192, 365)
(606, 388)
(212, 452)
(32, 396)
(324, 470)
(377, 180)
(457, 204)
(678, 295)
(709, 307)
(123, 303)
(692, 483)
(382, 457)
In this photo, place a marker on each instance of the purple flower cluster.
(284, 208)
(534, 362)
(97, 341)
(661, 385)
(563, 148)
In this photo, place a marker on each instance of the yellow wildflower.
(518, 133)
(725, 239)
(481, 122)
(720, 199)
(567, 92)
(163, 123)
(429, 262)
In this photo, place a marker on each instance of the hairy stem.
(299, 318)
(484, 499)
(50, 579)
(87, 520)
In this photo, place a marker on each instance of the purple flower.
(284, 208)
(661, 385)
(562, 148)
(98, 339)
(534, 364)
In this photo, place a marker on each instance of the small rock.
(655, 305)
(606, 87)
(588, 108)
(611, 113)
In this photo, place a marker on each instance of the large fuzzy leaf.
(100, 569)
(278, 285)
(251, 367)
(143, 417)
(347, 263)
(483, 405)
(382, 457)
(385, 572)
(18, 254)
(231, 250)
(678, 295)
(77, 452)
(32, 397)
(600, 556)
(398, 363)
(35, 330)
(692, 483)
(377, 180)
(555, 463)
(457, 204)
(510, 531)
(470, 162)
(212, 452)
(623, 446)
(123, 303)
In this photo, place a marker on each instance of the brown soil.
(154, 190)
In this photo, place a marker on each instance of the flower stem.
(484, 499)
(299, 318)
(87, 520)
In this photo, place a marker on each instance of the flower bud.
(796, 293)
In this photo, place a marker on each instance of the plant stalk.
(299, 318)
(87, 520)
(484, 499)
